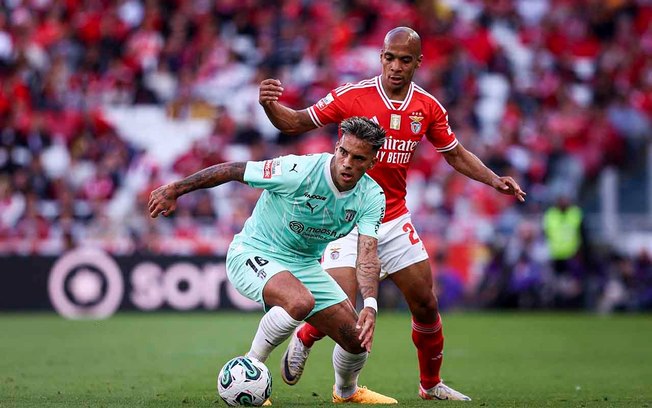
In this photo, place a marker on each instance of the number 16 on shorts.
(256, 264)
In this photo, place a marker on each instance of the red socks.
(429, 340)
(309, 334)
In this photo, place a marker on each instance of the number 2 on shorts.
(414, 239)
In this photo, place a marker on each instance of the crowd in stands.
(550, 92)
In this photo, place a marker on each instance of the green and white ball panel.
(243, 381)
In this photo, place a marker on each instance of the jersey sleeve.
(281, 175)
(332, 108)
(373, 212)
(440, 133)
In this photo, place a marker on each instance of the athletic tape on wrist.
(372, 303)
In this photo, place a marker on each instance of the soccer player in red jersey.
(407, 113)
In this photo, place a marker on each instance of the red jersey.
(405, 122)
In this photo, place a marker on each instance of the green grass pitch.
(171, 360)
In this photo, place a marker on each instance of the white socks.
(276, 326)
(347, 368)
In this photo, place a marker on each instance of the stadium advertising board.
(90, 283)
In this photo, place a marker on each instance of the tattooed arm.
(163, 200)
(367, 272)
(368, 266)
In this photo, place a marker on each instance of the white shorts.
(399, 246)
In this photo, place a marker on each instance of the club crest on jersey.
(349, 215)
(416, 119)
(272, 168)
(323, 102)
(395, 122)
(335, 252)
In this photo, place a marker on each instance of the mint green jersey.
(301, 210)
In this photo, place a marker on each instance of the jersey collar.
(388, 102)
(331, 183)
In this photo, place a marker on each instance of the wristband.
(372, 303)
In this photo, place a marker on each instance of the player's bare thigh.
(345, 277)
(286, 291)
(339, 323)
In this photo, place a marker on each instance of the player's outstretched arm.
(471, 166)
(367, 272)
(287, 120)
(163, 200)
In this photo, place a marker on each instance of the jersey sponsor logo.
(416, 119)
(272, 168)
(397, 151)
(400, 145)
(349, 215)
(323, 102)
(323, 233)
(395, 122)
(297, 227)
(294, 168)
(375, 120)
(314, 196)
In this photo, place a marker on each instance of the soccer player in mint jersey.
(408, 114)
(308, 201)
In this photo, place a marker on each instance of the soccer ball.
(244, 381)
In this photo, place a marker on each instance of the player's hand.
(269, 91)
(367, 324)
(163, 200)
(509, 186)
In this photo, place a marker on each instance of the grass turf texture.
(160, 360)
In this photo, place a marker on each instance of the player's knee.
(354, 348)
(424, 308)
(351, 343)
(301, 306)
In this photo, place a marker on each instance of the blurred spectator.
(629, 284)
(448, 283)
(563, 224)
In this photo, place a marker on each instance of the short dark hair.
(364, 129)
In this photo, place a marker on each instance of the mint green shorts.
(250, 269)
